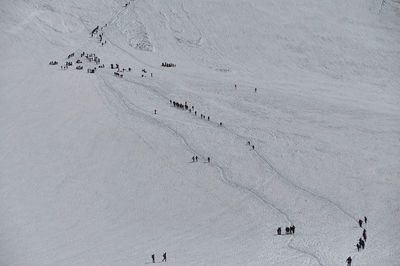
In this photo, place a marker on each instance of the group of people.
(116, 66)
(167, 64)
(153, 257)
(186, 107)
(196, 159)
(118, 75)
(53, 63)
(251, 145)
(67, 64)
(289, 230)
(100, 35)
(180, 105)
(361, 241)
(92, 58)
(363, 238)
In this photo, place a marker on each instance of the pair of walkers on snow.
(153, 257)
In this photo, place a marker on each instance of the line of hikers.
(167, 64)
(180, 105)
(361, 241)
(289, 230)
(153, 257)
(196, 159)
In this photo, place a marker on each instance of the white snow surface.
(89, 175)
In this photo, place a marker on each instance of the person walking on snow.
(208, 159)
(365, 234)
(164, 257)
(349, 260)
(362, 243)
(360, 222)
(155, 111)
(153, 258)
(365, 219)
(292, 228)
(279, 231)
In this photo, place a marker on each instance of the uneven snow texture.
(89, 175)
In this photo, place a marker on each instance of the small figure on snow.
(208, 159)
(365, 219)
(155, 111)
(279, 231)
(349, 260)
(365, 234)
(360, 222)
(164, 257)
(252, 147)
(153, 258)
(358, 247)
(362, 243)
(287, 229)
(197, 158)
(292, 228)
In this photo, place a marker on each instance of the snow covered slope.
(89, 175)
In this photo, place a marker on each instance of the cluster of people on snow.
(289, 230)
(363, 238)
(116, 66)
(153, 257)
(180, 105)
(167, 64)
(98, 31)
(145, 72)
(66, 65)
(118, 75)
(361, 241)
(53, 63)
(92, 58)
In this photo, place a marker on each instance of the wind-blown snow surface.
(90, 176)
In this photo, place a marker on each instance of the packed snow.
(301, 108)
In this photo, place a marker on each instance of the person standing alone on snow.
(153, 258)
(164, 257)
